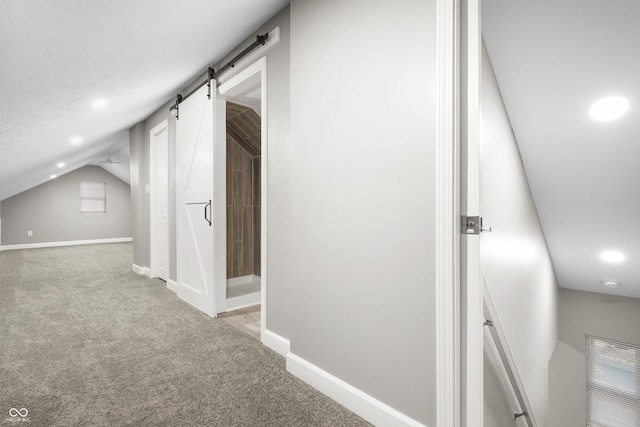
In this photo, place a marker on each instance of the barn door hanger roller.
(175, 108)
(212, 75)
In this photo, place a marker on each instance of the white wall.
(583, 313)
(360, 243)
(516, 262)
(497, 409)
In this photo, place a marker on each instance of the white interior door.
(194, 185)
(160, 201)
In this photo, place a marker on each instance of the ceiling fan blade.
(109, 161)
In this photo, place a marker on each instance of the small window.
(93, 197)
(613, 383)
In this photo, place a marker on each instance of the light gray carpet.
(84, 341)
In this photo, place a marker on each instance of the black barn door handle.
(205, 212)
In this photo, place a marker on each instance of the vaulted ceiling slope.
(57, 58)
(243, 125)
(553, 59)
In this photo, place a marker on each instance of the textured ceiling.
(553, 59)
(58, 57)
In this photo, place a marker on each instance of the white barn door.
(194, 185)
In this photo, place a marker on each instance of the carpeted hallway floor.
(86, 342)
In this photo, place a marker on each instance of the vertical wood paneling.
(236, 205)
(237, 259)
(229, 239)
(228, 171)
(256, 214)
(256, 240)
(256, 181)
(247, 180)
(243, 193)
(247, 240)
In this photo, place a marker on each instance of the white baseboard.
(69, 243)
(243, 280)
(172, 285)
(143, 271)
(275, 342)
(359, 402)
(242, 301)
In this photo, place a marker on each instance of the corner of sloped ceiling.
(244, 126)
(119, 171)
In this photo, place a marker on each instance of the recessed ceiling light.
(53, 176)
(611, 284)
(612, 256)
(609, 108)
(61, 165)
(99, 103)
(76, 140)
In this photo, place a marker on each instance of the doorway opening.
(244, 289)
(243, 184)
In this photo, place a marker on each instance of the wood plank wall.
(243, 200)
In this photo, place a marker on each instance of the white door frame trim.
(260, 66)
(459, 330)
(153, 232)
(447, 211)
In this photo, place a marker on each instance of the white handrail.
(499, 354)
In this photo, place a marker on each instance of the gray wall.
(52, 211)
(278, 107)
(360, 243)
(139, 200)
(515, 259)
(583, 313)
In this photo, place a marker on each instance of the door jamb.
(472, 316)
